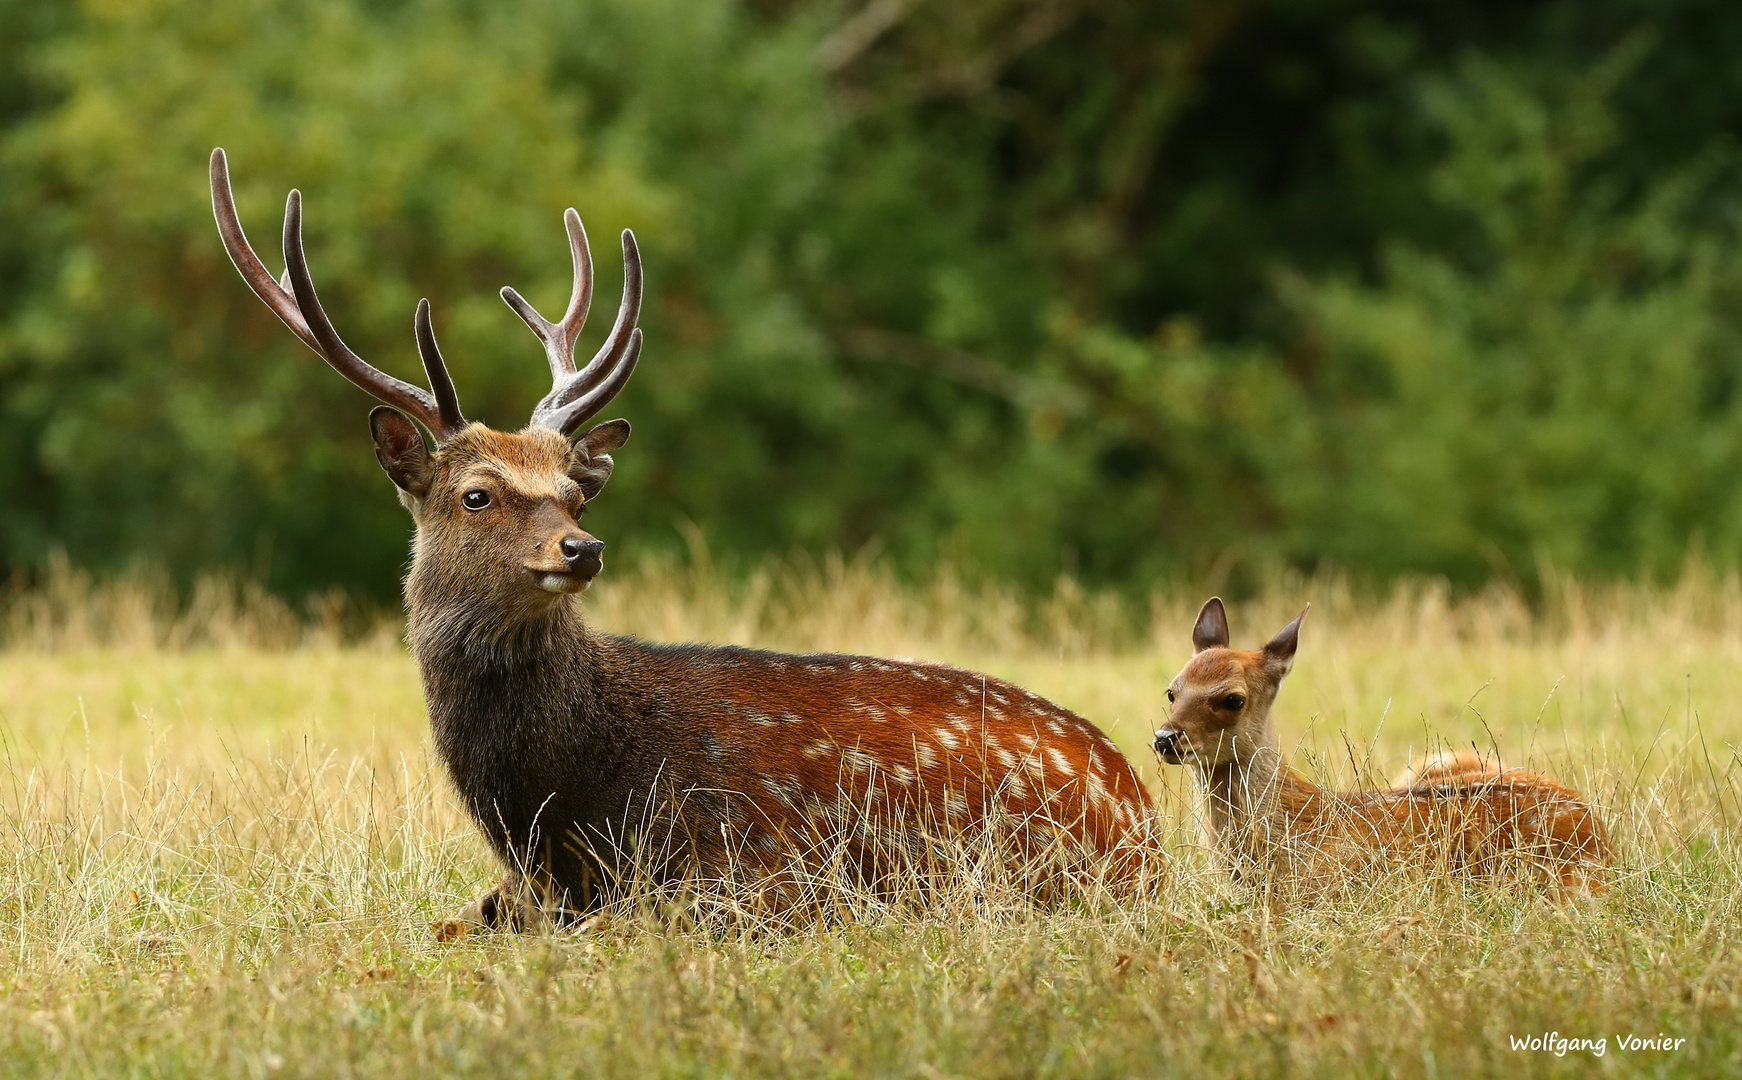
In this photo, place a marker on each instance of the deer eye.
(475, 499)
(1234, 702)
(1170, 695)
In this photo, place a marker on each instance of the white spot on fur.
(926, 756)
(819, 749)
(857, 760)
(787, 791)
(1060, 762)
(949, 739)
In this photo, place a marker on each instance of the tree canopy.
(1124, 288)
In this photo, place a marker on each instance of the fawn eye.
(1234, 702)
(1170, 695)
(475, 499)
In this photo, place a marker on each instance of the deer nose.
(1166, 742)
(583, 554)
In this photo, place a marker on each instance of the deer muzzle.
(584, 555)
(568, 563)
(1170, 746)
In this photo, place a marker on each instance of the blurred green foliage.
(1121, 288)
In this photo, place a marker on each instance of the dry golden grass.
(225, 837)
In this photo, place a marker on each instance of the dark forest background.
(1122, 289)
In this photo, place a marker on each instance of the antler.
(293, 300)
(576, 396)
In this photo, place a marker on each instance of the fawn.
(591, 761)
(1269, 823)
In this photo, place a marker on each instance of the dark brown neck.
(502, 677)
(524, 713)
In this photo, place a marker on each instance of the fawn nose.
(1167, 743)
(583, 554)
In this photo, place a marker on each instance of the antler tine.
(576, 396)
(559, 338)
(384, 387)
(610, 354)
(447, 401)
(568, 418)
(272, 293)
(293, 300)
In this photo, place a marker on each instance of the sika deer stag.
(593, 761)
(1271, 824)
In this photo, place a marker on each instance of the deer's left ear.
(1211, 629)
(1279, 654)
(592, 464)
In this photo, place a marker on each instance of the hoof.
(450, 929)
(484, 913)
(511, 907)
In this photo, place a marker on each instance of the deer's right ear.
(592, 461)
(1279, 654)
(1211, 629)
(400, 449)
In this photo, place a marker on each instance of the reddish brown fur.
(1459, 812)
(840, 745)
(1446, 767)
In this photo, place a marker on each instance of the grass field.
(225, 839)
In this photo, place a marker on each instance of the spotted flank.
(899, 745)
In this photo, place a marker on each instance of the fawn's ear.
(592, 455)
(400, 449)
(1211, 629)
(1279, 654)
